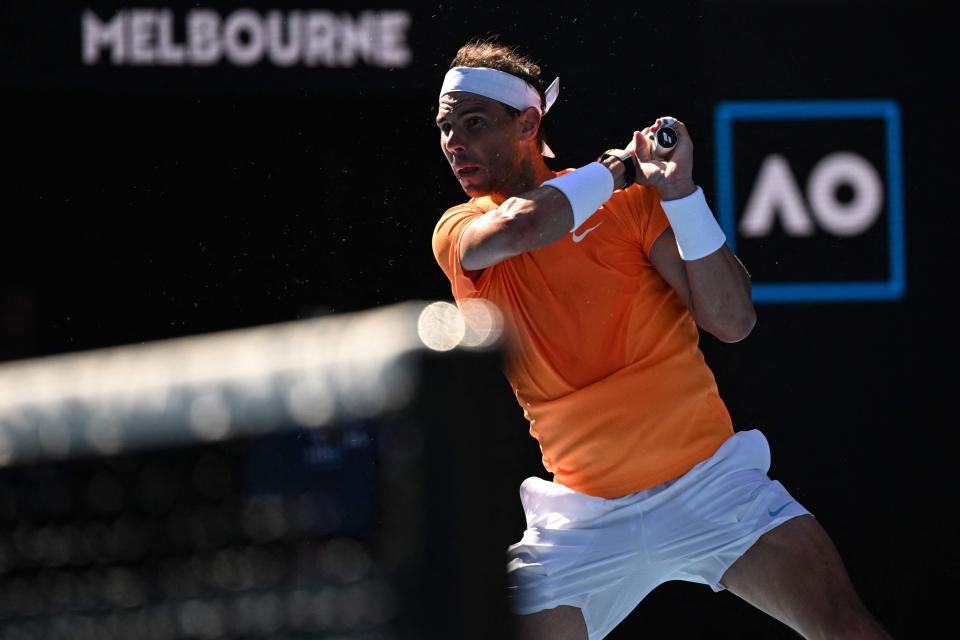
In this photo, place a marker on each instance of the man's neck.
(532, 173)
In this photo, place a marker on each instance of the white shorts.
(604, 556)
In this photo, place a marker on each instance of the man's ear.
(528, 123)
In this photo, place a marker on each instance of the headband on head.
(502, 87)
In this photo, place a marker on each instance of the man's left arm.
(716, 288)
(692, 255)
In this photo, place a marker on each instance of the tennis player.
(604, 274)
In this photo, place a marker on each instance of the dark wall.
(143, 203)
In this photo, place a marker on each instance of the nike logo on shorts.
(578, 238)
(777, 511)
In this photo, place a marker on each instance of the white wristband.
(587, 189)
(697, 232)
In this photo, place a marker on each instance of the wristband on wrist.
(587, 188)
(697, 232)
(629, 169)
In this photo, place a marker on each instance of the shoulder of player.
(465, 207)
(457, 212)
(475, 206)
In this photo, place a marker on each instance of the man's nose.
(454, 142)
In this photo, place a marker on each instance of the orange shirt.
(605, 359)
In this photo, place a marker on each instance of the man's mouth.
(467, 170)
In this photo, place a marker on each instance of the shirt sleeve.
(650, 216)
(446, 249)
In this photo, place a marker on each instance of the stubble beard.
(512, 179)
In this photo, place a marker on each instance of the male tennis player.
(604, 274)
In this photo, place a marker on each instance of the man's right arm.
(523, 223)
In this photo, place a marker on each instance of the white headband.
(502, 87)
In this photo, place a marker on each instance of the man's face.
(480, 141)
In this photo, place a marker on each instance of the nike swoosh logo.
(578, 238)
(777, 511)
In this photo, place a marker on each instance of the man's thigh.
(795, 574)
(561, 623)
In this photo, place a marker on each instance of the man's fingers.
(641, 145)
(652, 171)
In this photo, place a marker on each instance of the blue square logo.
(810, 196)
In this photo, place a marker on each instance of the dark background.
(143, 203)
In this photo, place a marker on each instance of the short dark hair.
(493, 55)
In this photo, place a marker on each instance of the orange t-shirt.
(605, 358)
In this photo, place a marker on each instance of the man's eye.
(445, 127)
(474, 122)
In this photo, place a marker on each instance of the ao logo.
(777, 194)
(809, 194)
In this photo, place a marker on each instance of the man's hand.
(673, 176)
